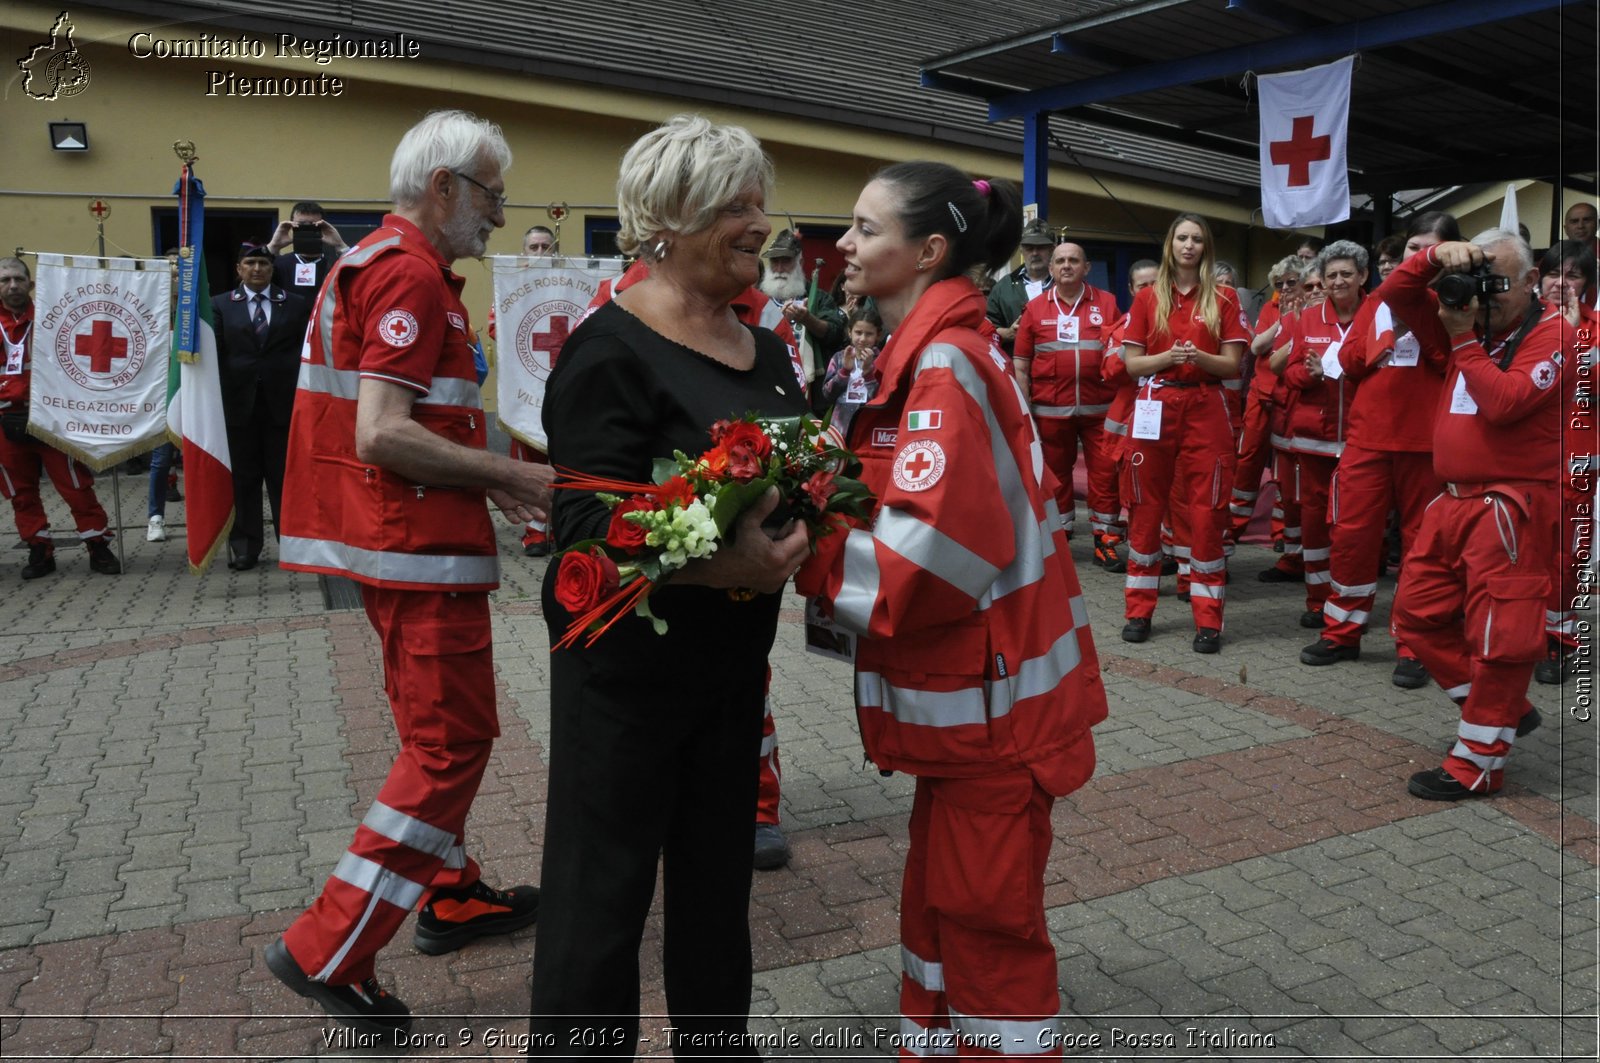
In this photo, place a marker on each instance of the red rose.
(719, 430)
(820, 487)
(744, 464)
(625, 534)
(743, 433)
(585, 580)
(676, 490)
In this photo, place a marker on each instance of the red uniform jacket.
(1319, 408)
(1393, 407)
(1065, 344)
(975, 656)
(16, 369)
(391, 310)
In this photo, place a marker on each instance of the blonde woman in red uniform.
(1185, 336)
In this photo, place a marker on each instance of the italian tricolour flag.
(194, 390)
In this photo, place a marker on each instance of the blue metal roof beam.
(1323, 43)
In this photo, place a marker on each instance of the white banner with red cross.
(1305, 118)
(102, 338)
(538, 302)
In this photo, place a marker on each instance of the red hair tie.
(982, 186)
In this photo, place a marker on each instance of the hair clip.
(961, 221)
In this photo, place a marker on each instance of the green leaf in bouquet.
(663, 469)
(733, 498)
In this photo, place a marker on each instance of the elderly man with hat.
(1010, 295)
(785, 281)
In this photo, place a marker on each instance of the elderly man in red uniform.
(1060, 344)
(24, 459)
(386, 486)
(1472, 593)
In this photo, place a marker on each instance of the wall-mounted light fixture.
(69, 136)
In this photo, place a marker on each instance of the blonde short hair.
(676, 177)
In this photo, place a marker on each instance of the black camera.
(308, 239)
(1457, 290)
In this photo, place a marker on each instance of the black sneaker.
(1105, 553)
(1311, 619)
(452, 918)
(1323, 652)
(1137, 629)
(1207, 640)
(538, 549)
(772, 848)
(1184, 596)
(367, 1006)
(1169, 567)
(1556, 666)
(1278, 575)
(1530, 722)
(1409, 674)
(41, 561)
(1440, 785)
(101, 559)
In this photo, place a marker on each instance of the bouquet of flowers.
(686, 513)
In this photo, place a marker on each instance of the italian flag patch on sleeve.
(923, 420)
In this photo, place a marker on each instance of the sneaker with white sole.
(156, 531)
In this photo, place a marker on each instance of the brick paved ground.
(182, 760)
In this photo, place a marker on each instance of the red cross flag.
(102, 333)
(1305, 179)
(538, 302)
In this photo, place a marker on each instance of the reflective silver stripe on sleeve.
(1008, 1037)
(1328, 447)
(408, 830)
(858, 590)
(931, 550)
(1036, 676)
(928, 708)
(391, 566)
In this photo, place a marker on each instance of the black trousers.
(258, 448)
(646, 765)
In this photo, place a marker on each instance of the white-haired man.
(1472, 594)
(386, 484)
(785, 281)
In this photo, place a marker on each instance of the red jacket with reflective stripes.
(390, 310)
(19, 329)
(1065, 344)
(1317, 418)
(975, 655)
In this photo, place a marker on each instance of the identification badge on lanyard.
(305, 274)
(1330, 361)
(825, 638)
(1406, 351)
(1461, 400)
(1067, 329)
(15, 354)
(856, 390)
(1146, 419)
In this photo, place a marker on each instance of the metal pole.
(116, 477)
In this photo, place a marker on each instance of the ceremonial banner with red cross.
(1305, 114)
(538, 302)
(102, 337)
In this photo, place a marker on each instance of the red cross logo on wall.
(1301, 150)
(99, 346)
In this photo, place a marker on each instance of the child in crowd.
(850, 381)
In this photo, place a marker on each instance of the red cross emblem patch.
(919, 465)
(398, 328)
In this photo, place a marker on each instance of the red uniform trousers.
(1574, 566)
(979, 966)
(1059, 438)
(1189, 469)
(1255, 455)
(770, 771)
(537, 531)
(1367, 484)
(1313, 475)
(1471, 607)
(20, 467)
(1287, 512)
(438, 671)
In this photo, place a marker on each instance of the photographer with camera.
(1471, 601)
(314, 247)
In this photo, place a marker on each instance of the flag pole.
(116, 470)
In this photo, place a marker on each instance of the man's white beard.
(786, 286)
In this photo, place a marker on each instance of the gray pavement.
(182, 759)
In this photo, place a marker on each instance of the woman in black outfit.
(654, 738)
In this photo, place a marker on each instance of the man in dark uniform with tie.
(260, 328)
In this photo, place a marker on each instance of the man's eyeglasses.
(495, 198)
